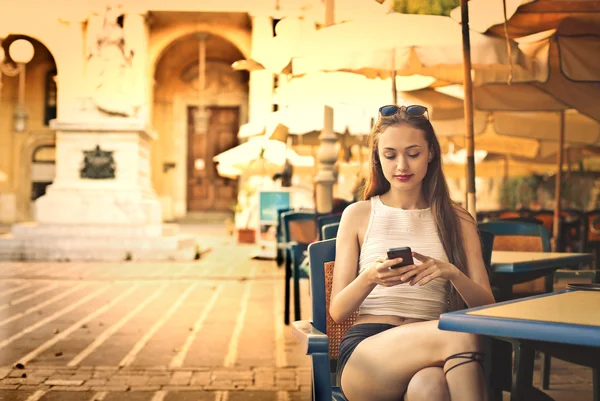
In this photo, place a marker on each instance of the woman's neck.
(408, 200)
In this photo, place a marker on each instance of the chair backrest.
(322, 221)
(279, 229)
(299, 226)
(592, 226)
(518, 236)
(329, 231)
(487, 244)
(322, 259)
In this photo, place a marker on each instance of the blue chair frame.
(329, 231)
(327, 219)
(294, 255)
(280, 238)
(313, 335)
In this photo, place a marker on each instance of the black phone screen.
(403, 252)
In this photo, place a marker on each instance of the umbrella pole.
(394, 90)
(506, 196)
(557, 191)
(469, 140)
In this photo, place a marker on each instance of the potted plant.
(244, 210)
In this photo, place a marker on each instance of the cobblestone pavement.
(135, 331)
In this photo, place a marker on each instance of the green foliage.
(431, 7)
(518, 192)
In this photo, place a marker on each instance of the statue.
(110, 66)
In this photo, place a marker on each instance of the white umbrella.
(304, 118)
(407, 44)
(260, 156)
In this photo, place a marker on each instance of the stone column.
(327, 153)
(261, 82)
(101, 205)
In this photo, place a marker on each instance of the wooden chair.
(520, 236)
(329, 231)
(299, 230)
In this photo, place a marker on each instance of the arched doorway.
(184, 173)
(18, 148)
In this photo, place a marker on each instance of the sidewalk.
(211, 329)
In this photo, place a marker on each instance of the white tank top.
(391, 227)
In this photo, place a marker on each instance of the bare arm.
(475, 289)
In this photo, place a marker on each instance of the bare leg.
(381, 367)
(428, 384)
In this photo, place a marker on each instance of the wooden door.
(206, 189)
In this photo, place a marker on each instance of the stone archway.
(41, 104)
(176, 92)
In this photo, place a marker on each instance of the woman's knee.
(428, 384)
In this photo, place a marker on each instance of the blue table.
(564, 324)
(511, 267)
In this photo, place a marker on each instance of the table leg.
(522, 380)
(497, 367)
(596, 381)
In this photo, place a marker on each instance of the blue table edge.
(517, 267)
(564, 333)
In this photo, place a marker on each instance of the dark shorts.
(353, 336)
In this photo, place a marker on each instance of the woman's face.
(404, 155)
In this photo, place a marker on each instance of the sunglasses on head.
(414, 110)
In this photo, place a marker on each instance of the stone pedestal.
(101, 205)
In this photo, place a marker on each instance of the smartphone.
(402, 252)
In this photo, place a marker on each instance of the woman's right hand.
(381, 273)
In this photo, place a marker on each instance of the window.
(50, 98)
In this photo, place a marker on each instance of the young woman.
(395, 348)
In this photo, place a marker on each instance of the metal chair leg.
(296, 277)
(596, 381)
(546, 371)
(288, 270)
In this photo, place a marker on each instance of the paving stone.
(8, 386)
(61, 382)
(145, 388)
(180, 378)
(201, 378)
(129, 380)
(111, 388)
(62, 377)
(95, 382)
(158, 380)
(102, 374)
(70, 388)
(33, 388)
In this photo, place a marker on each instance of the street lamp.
(21, 52)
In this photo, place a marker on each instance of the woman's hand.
(381, 272)
(428, 270)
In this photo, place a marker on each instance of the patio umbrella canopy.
(260, 156)
(304, 121)
(407, 44)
